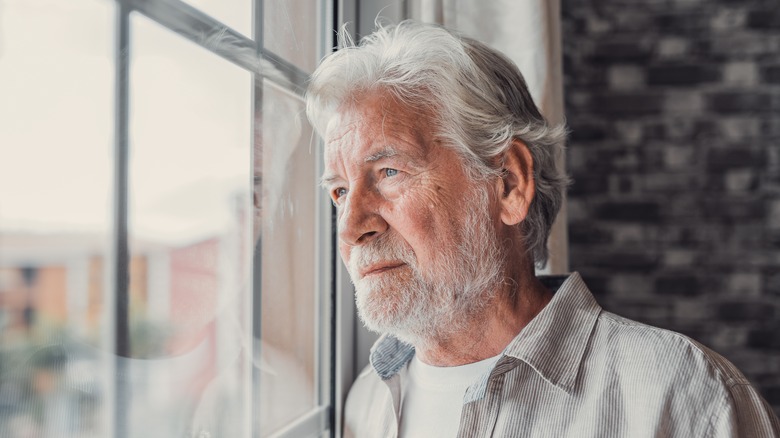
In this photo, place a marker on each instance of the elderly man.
(443, 175)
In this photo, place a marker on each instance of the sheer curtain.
(528, 32)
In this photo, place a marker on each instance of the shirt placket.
(478, 418)
(392, 419)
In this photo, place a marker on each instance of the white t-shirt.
(432, 397)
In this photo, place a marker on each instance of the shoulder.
(658, 350)
(366, 391)
(633, 349)
(367, 386)
(369, 406)
(684, 375)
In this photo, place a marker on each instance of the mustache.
(381, 249)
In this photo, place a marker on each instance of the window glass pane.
(291, 30)
(285, 159)
(236, 14)
(190, 238)
(56, 174)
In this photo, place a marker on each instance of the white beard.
(421, 307)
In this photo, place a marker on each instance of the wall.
(674, 215)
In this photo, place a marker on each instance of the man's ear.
(516, 186)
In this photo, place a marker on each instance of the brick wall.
(674, 215)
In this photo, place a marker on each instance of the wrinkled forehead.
(378, 117)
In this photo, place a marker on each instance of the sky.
(190, 124)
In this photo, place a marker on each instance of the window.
(165, 253)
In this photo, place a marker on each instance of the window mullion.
(120, 250)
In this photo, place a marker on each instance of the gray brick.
(679, 208)
(771, 74)
(773, 214)
(628, 234)
(738, 129)
(682, 74)
(719, 160)
(628, 104)
(630, 285)
(727, 336)
(614, 51)
(742, 46)
(688, 3)
(629, 211)
(728, 19)
(628, 261)
(576, 157)
(683, 102)
(745, 284)
(576, 210)
(597, 25)
(686, 308)
(677, 284)
(578, 99)
(629, 132)
(668, 183)
(622, 184)
(587, 132)
(678, 157)
(770, 127)
(764, 19)
(741, 73)
(733, 101)
(683, 127)
(588, 183)
(681, 23)
(772, 283)
(586, 233)
(672, 48)
(734, 209)
(740, 180)
(744, 311)
(764, 339)
(626, 77)
(772, 395)
(679, 258)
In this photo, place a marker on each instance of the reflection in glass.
(284, 156)
(236, 14)
(56, 143)
(190, 237)
(291, 29)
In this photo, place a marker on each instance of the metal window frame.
(249, 54)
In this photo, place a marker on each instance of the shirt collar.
(553, 343)
(389, 355)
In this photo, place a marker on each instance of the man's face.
(407, 217)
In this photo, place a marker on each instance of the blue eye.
(391, 172)
(337, 194)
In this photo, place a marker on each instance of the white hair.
(478, 98)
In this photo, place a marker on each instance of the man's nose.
(360, 221)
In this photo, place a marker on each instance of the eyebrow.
(326, 180)
(384, 153)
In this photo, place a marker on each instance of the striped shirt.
(578, 371)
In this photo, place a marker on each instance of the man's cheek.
(344, 251)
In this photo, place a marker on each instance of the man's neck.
(488, 333)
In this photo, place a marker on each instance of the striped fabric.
(578, 371)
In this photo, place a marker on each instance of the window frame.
(193, 24)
